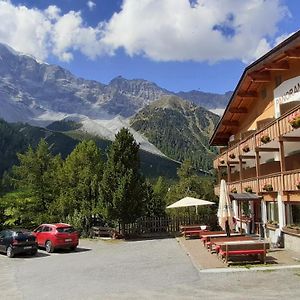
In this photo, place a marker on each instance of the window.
(272, 211)
(66, 229)
(295, 214)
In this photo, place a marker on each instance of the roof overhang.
(244, 197)
(245, 92)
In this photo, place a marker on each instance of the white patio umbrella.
(225, 210)
(190, 201)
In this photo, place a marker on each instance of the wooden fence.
(159, 225)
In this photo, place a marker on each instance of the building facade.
(259, 141)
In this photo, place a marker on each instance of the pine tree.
(80, 179)
(121, 189)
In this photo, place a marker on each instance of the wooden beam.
(278, 66)
(289, 139)
(249, 94)
(295, 53)
(238, 110)
(260, 76)
(232, 162)
(261, 149)
(230, 123)
(247, 156)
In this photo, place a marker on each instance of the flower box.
(246, 148)
(268, 188)
(265, 139)
(291, 229)
(272, 225)
(232, 155)
(294, 120)
(233, 190)
(248, 189)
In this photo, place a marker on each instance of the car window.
(8, 234)
(68, 229)
(46, 229)
(2, 234)
(39, 229)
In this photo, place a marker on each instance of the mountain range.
(39, 94)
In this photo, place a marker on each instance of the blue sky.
(178, 44)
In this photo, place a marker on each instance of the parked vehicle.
(54, 236)
(15, 241)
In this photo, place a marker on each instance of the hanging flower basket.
(265, 139)
(233, 190)
(246, 148)
(248, 189)
(232, 155)
(294, 120)
(268, 187)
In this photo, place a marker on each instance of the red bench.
(246, 248)
(193, 230)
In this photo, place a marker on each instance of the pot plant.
(265, 139)
(268, 187)
(246, 148)
(233, 190)
(248, 189)
(232, 155)
(294, 120)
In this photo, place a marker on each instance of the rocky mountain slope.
(179, 129)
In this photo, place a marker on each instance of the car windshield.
(66, 229)
(21, 232)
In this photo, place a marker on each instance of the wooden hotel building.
(259, 141)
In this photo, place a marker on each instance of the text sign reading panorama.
(287, 91)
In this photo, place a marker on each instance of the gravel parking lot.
(134, 270)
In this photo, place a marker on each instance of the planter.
(292, 230)
(248, 189)
(246, 149)
(272, 226)
(265, 139)
(268, 188)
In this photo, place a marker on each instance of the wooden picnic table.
(243, 248)
(216, 240)
(205, 237)
(193, 230)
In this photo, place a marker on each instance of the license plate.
(68, 240)
(27, 247)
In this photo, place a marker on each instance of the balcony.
(268, 157)
(286, 182)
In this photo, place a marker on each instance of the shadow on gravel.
(28, 256)
(67, 251)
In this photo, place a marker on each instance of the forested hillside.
(16, 137)
(179, 129)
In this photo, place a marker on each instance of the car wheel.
(49, 247)
(10, 252)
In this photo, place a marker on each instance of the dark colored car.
(54, 236)
(16, 241)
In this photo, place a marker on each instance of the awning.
(244, 196)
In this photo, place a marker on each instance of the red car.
(54, 236)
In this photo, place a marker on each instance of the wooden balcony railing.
(274, 130)
(287, 181)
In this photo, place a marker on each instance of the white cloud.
(207, 30)
(91, 5)
(162, 30)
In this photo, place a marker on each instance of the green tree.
(80, 179)
(155, 204)
(122, 187)
(36, 176)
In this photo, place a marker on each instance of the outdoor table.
(243, 248)
(207, 236)
(215, 240)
